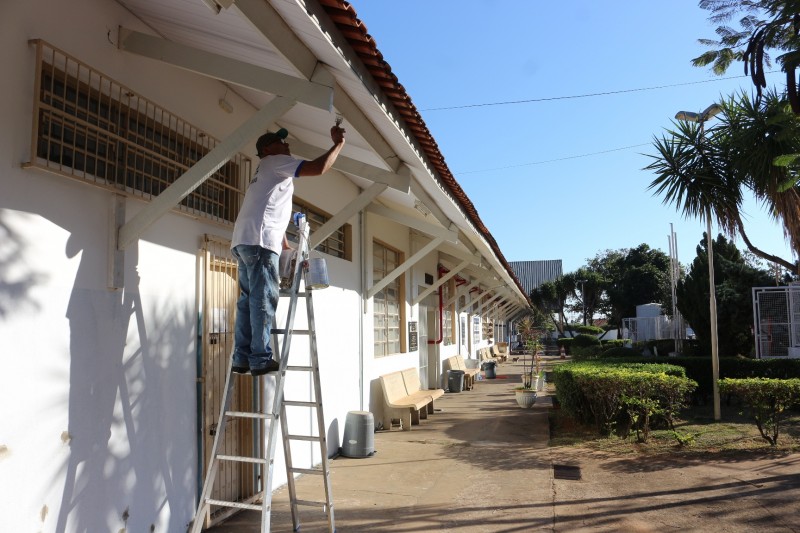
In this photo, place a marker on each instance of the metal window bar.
(335, 245)
(89, 127)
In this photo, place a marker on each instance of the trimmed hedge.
(699, 369)
(620, 351)
(631, 393)
(767, 400)
(589, 330)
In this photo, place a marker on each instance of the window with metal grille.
(387, 304)
(89, 127)
(339, 242)
(448, 333)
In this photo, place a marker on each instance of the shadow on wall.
(130, 462)
(16, 281)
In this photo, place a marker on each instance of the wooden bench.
(457, 362)
(485, 354)
(414, 387)
(498, 354)
(404, 399)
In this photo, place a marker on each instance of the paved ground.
(482, 464)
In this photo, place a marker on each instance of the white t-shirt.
(267, 205)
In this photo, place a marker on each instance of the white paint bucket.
(317, 275)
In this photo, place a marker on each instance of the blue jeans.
(259, 286)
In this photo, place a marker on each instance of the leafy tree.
(588, 294)
(551, 298)
(734, 280)
(754, 148)
(765, 25)
(631, 277)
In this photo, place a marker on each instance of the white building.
(116, 285)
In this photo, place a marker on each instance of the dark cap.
(269, 138)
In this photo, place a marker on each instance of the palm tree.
(764, 25)
(754, 146)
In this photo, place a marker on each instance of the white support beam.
(432, 230)
(433, 207)
(479, 306)
(400, 181)
(503, 309)
(200, 171)
(271, 25)
(441, 281)
(357, 120)
(460, 253)
(337, 220)
(317, 93)
(460, 292)
(408, 263)
(494, 298)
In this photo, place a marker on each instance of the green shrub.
(635, 393)
(767, 400)
(700, 370)
(585, 353)
(610, 343)
(589, 330)
(584, 339)
(620, 351)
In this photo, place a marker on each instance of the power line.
(552, 98)
(552, 160)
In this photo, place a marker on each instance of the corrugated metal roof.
(531, 274)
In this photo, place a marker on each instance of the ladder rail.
(203, 508)
(323, 441)
(266, 420)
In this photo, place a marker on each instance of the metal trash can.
(359, 434)
(455, 380)
(489, 369)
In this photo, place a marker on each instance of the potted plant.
(526, 394)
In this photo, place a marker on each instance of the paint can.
(317, 275)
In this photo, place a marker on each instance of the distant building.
(531, 274)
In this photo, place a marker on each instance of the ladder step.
(237, 505)
(308, 438)
(242, 459)
(307, 471)
(300, 404)
(282, 331)
(250, 414)
(286, 292)
(309, 503)
(300, 368)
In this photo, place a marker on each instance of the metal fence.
(776, 321)
(653, 328)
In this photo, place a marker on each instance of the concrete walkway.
(482, 464)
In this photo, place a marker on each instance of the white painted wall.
(97, 387)
(98, 422)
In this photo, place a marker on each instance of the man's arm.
(324, 162)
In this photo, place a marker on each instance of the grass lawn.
(735, 433)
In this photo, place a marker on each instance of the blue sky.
(526, 166)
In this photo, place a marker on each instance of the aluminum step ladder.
(264, 464)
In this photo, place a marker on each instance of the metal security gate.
(220, 291)
(776, 316)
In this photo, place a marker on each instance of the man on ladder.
(259, 236)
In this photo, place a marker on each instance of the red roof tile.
(344, 16)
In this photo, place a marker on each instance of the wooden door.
(234, 481)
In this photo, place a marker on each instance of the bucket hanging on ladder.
(317, 276)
